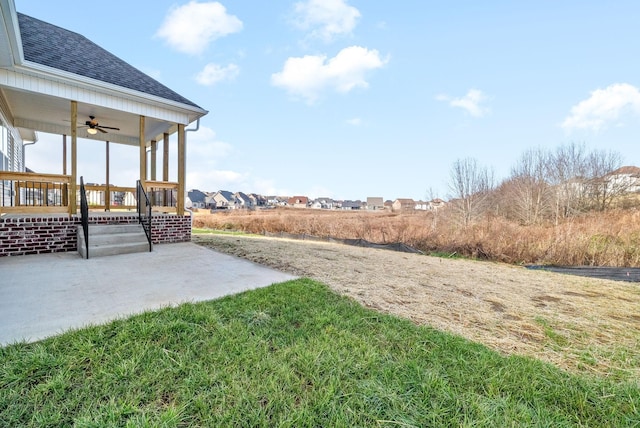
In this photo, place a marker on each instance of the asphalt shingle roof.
(55, 47)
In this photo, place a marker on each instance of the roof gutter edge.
(51, 73)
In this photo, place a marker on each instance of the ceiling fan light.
(92, 131)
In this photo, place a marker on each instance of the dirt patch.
(497, 304)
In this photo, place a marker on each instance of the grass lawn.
(293, 354)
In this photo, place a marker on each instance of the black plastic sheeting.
(613, 273)
(396, 246)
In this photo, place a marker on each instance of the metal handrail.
(141, 196)
(84, 215)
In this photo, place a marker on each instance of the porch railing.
(27, 193)
(23, 192)
(119, 197)
(144, 211)
(163, 195)
(84, 215)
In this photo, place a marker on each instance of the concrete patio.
(44, 295)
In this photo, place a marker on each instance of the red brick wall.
(37, 235)
(170, 228)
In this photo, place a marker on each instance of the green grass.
(293, 355)
(446, 255)
(207, 231)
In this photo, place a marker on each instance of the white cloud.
(326, 19)
(356, 121)
(471, 102)
(214, 180)
(204, 148)
(309, 75)
(190, 28)
(214, 73)
(603, 108)
(205, 154)
(267, 187)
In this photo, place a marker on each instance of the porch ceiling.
(45, 113)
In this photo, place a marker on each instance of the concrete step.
(107, 240)
(102, 229)
(114, 249)
(116, 238)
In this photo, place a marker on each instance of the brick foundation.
(170, 228)
(38, 235)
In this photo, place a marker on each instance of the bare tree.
(529, 189)
(601, 187)
(471, 186)
(566, 174)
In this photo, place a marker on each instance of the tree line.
(543, 185)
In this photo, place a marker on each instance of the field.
(593, 239)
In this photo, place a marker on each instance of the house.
(403, 204)
(197, 198)
(298, 201)
(436, 204)
(626, 179)
(57, 81)
(242, 200)
(323, 203)
(351, 205)
(258, 200)
(209, 201)
(276, 201)
(422, 206)
(375, 203)
(223, 200)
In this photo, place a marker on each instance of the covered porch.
(57, 82)
(44, 193)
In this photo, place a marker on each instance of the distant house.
(626, 178)
(422, 206)
(436, 204)
(298, 202)
(209, 202)
(403, 204)
(375, 203)
(351, 205)
(276, 201)
(224, 200)
(257, 200)
(197, 198)
(323, 203)
(242, 200)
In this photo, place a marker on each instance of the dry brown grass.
(596, 239)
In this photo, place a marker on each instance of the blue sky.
(350, 99)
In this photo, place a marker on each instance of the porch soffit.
(48, 109)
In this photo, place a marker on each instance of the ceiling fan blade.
(109, 127)
(99, 128)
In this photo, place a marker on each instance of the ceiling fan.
(94, 126)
